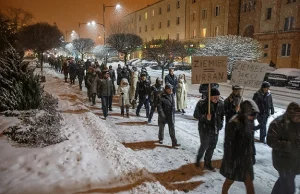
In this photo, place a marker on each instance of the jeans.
(143, 101)
(104, 101)
(80, 83)
(94, 99)
(110, 99)
(285, 184)
(262, 120)
(208, 145)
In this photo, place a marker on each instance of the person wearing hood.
(166, 115)
(65, 70)
(156, 91)
(264, 101)
(239, 150)
(92, 83)
(124, 100)
(232, 102)
(119, 70)
(80, 74)
(72, 71)
(209, 126)
(284, 139)
(133, 81)
(181, 94)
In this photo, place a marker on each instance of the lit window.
(269, 13)
(153, 12)
(146, 15)
(194, 34)
(203, 32)
(216, 31)
(217, 10)
(285, 50)
(288, 23)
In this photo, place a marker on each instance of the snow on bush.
(236, 48)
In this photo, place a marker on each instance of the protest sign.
(248, 74)
(209, 69)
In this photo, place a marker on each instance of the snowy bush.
(236, 48)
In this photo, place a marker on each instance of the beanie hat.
(143, 74)
(293, 109)
(168, 86)
(265, 85)
(236, 87)
(214, 92)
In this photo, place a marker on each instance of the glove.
(122, 93)
(272, 111)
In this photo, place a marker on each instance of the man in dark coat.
(72, 71)
(284, 139)
(142, 92)
(166, 114)
(239, 150)
(112, 76)
(65, 70)
(87, 64)
(105, 91)
(119, 77)
(156, 91)
(125, 73)
(80, 74)
(209, 126)
(171, 79)
(232, 102)
(263, 99)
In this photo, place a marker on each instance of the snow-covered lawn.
(119, 155)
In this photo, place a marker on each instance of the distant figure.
(65, 70)
(181, 93)
(72, 71)
(80, 75)
(133, 82)
(92, 82)
(119, 77)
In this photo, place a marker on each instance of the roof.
(144, 8)
(287, 71)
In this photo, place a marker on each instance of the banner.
(209, 69)
(248, 74)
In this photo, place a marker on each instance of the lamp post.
(103, 16)
(92, 23)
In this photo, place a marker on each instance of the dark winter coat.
(87, 65)
(112, 75)
(142, 89)
(65, 68)
(92, 83)
(284, 138)
(264, 102)
(166, 108)
(119, 77)
(80, 72)
(171, 79)
(72, 70)
(217, 111)
(229, 106)
(124, 74)
(105, 87)
(156, 92)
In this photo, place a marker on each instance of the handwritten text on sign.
(248, 74)
(212, 69)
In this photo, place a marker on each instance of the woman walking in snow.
(181, 93)
(124, 92)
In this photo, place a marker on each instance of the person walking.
(112, 76)
(72, 71)
(166, 115)
(156, 91)
(65, 70)
(181, 94)
(209, 126)
(142, 92)
(232, 102)
(105, 91)
(92, 83)
(239, 150)
(133, 82)
(80, 75)
(264, 101)
(119, 77)
(284, 139)
(171, 79)
(124, 93)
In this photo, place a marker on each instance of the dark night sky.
(67, 13)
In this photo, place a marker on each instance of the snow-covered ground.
(119, 155)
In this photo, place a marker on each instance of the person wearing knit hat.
(284, 138)
(209, 125)
(232, 102)
(143, 93)
(171, 78)
(264, 101)
(166, 115)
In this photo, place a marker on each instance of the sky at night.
(68, 13)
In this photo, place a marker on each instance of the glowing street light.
(93, 23)
(118, 6)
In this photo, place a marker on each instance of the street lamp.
(118, 6)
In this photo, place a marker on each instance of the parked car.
(181, 66)
(282, 76)
(294, 84)
(146, 63)
(113, 59)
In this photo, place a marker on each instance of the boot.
(208, 166)
(127, 115)
(122, 112)
(197, 163)
(183, 111)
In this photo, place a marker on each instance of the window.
(266, 46)
(194, 34)
(153, 12)
(203, 32)
(159, 25)
(216, 32)
(249, 6)
(159, 10)
(168, 23)
(146, 15)
(168, 8)
(193, 1)
(285, 50)
(131, 20)
(291, 1)
(217, 10)
(245, 7)
(269, 13)
(140, 29)
(140, 17)
(265, 55)
(177, 36)
(178, 4)
(204, 14)
(168, 37)
(194, 16)
(288, 23)
(146, 28)
(152, 27)
(178, 20)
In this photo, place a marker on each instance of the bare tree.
(18, 17)
(187, 48)
(162, 51)
(102, 51)
(40, 37)
(83, 45)
(125, 43)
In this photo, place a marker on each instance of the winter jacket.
(229, 106)
(264, 102)
(65, 68)
(112, 75)
(284, 138)
(166, 108)
(171, 79)
(133, 82)
(92, 83)
(119, 75)
(80, 72)
(156, 92)
(125, 89)
(217, 111)
(87, 65)
(181, 94)
(124, 74)
(105, 87)
(142, 89)
(72, 70)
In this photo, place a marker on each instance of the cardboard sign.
(248, 74)
(212, 69)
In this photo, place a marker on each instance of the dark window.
(140, 17)
(217, 10)
(288, 23)
(193, 1)
(140, 29)
(177, 36)
(168, 8)
(159, 26)
(291, 1)
(204, 14)
(159, 10)
(146, 28)
(266, 46)
(194, 16)
(269, 13)
(178, 20)
(245, 7)
(178, 4)
(168, 23)
(265, 54)
(285, 50)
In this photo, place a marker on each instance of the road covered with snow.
(119, 155)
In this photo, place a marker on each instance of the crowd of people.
(135, 90)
